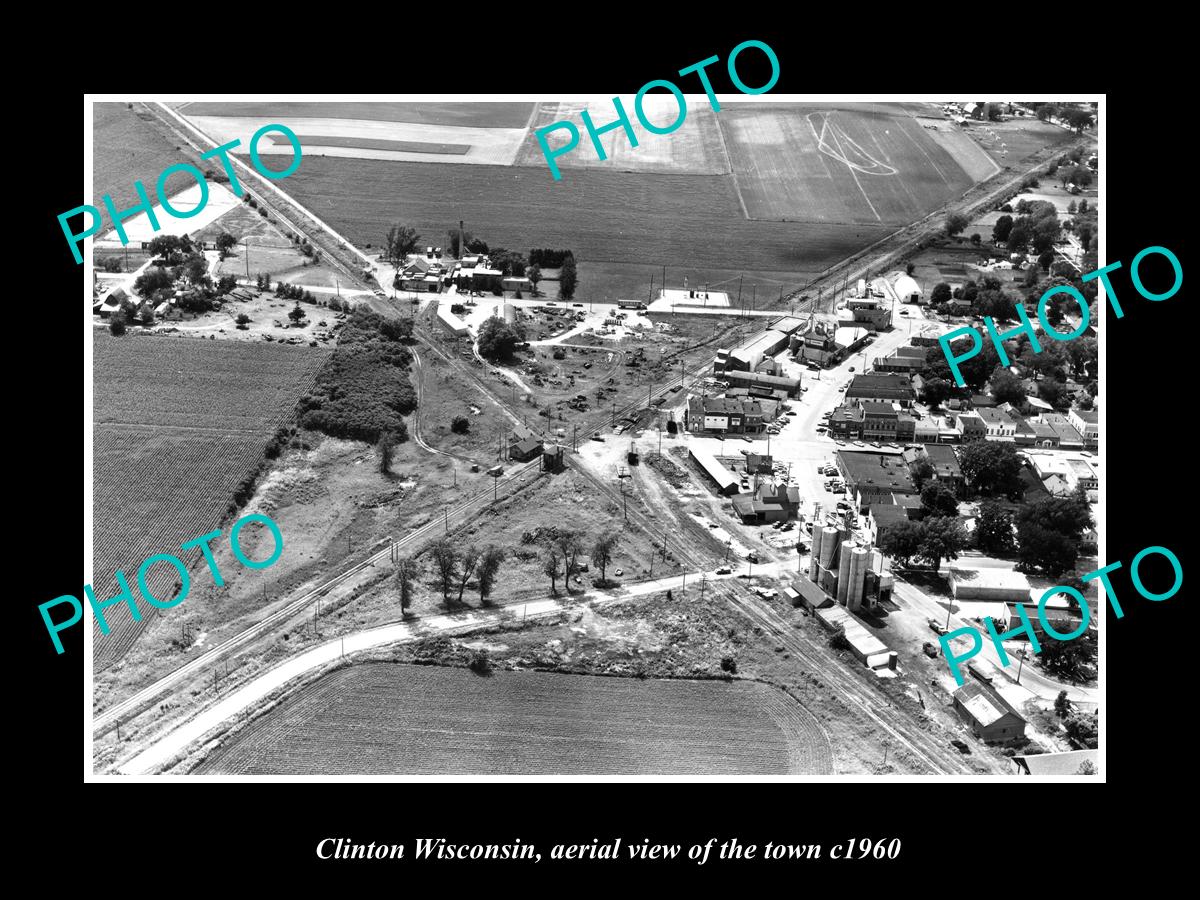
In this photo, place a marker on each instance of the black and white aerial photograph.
(683, 434)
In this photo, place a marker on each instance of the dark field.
(477, 115)
(677, 220)
(178, 423)
(125, 149)
(386, 719)
(327, 140)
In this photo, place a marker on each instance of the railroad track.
(873, 704)
(114, 715)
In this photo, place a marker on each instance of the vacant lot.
(385, 719)
(676, 220)
(178, 424)
(819, 164)
(477, 115)
(127, 148)
(1015, 140)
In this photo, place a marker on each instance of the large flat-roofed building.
(891, 388)
(1069, 437)
(724, 414)
(875, 477)
(1058, 764)
(988, 584)
(906, 360)
(748, 355)
(757, 383)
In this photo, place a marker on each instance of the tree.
(386, 448)
(1079, 119)
(498, 339)
(1044, 550)
(838, 639)
(264, 281)
(552, 567)
(225, 243)
(1087, 767)
(955, 223)
(994, 529)
(1069, 515)
(117, 324)
(406, 574)
(976, 239)
(1083, 206)
(226, 283)
(153, 279)
(400, 241)
(1071, 208)
(992, 468)
(922, 471)
(1053, 392)
(1047, 111)
(940, 293)
(489, 564)
(570, 545)
(901, 541)
(460, 425)
(602, 552)
(534, 274)
(1007, 388)
(1063, 705)
(170, 248)
(146, 314)
(938, 500)
(1072, 660)
(941, 538)
(567, 279)
(242, 320)
(445, 560)
(1020, 236)
(468, 559)
(936, 391)
(1045, 259)
(296, 314)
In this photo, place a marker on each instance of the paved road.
(175, 742)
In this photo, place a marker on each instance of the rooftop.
(1056, 763)
(984, 705)
(869, 469)
(894, 385)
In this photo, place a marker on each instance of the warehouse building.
(726, 481)
(990, 717)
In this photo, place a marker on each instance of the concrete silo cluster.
(840, 564)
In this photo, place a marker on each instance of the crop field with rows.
(177, 425)
(385, 718)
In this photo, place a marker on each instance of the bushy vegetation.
(363, 390)
(551, 259)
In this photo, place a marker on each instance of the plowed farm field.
(178, 423)
(384, 718)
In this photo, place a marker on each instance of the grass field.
(125, 149)
(694, 148)
(381, 719)
(818, 164)
(178, 424)
(476, 115)
(677, 220)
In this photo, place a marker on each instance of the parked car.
(596, 437)
(788, 526)
(929, 650)
(724, 570)
(752, 556)
(960, 746)
(936, 627)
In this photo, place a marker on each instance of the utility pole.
(703, 580)
(245, 243)
(625, 507)
(650, 296)
(446, 519)
(739, 299)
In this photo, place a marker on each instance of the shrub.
(838, 640)
(729, 664)
(460, 425)
(480, 662)
(117, 324)
(559, 353)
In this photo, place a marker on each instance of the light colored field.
(487, 146)
(819, 164)
(957, 142)
(380, 719)
(325, 140)
(695, 148)
(220, 201)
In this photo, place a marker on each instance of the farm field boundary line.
(109, 719)
(805, 649)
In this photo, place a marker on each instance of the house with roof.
(847, 422)
(991, 718)
(1057, 765)
(969, 426)
(771, 502)
(945, 465)
(999, 424)
(724, 414)
(1087, 423)
(523, 449)
(1068, 437)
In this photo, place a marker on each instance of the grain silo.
(815, 558)
(843, 582)
(859, 561)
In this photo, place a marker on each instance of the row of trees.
(498, 339)
(931, 540)
(454, 569)
(561, 549)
